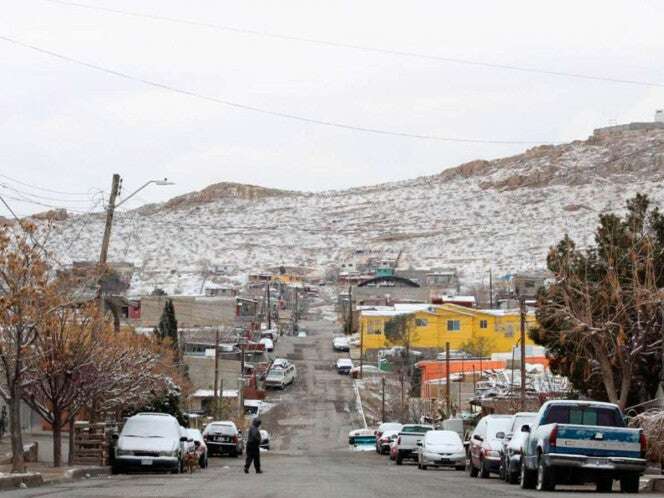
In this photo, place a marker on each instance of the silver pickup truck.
(407, 440)
(574, 442)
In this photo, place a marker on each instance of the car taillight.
(553, 437)
(399, 440)
(644, 444)
(234, 439)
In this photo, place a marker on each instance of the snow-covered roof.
(209, 393)
(410, 307)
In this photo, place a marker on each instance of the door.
(479, 434)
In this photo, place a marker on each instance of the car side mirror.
(419, 443)
(183, 439)
(500, 435)
(525, 428)
(197, 443)
(115, 436)
(239, 432)
(477, 437)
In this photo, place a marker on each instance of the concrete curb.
(652, 484)
(34, 480)
(15, 481)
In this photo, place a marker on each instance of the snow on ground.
(504, 216)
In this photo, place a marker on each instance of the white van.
(150, 441)
(280, 377)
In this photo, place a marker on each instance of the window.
(421, 322)
(484, 324)
(581, 415)
(374, 327)
(453, 325)
(509, 331)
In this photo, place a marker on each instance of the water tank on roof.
(659, 116)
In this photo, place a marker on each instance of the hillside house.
(437, 324)
(197, 311)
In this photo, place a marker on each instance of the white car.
(344, 366)
(341, 343)
(201, 450)
(267, 344)
(383, 446)
(265, 439)
(280, 363)
(280, 377)
(441, 449)
(150, 441)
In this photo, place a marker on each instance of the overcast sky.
(68, 128)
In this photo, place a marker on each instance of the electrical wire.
(245, 107)
(38, 196)
(379, 50)
(45, 189)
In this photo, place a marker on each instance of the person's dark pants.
(253, 454)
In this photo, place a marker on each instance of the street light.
(111, 210)
(160, 183)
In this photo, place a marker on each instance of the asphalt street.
(310, 456)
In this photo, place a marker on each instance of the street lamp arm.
(159, 182)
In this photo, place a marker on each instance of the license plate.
(600, 462)
(146, 462)
(444, 460)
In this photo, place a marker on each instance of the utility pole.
(361, 350)
(241, 387)
(382, 410)
(523, 354)
(110, 211)
(269, 308)
(350, 310)
(490, 288)
(216, 374)
(447, 382)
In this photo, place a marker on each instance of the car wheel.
(460, 467)
(528, 477)
(512, 477)
(115, 470)
(484, 471)
(399, 460)
(545, 478)
(630, 484)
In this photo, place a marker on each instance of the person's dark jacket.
(254, 438)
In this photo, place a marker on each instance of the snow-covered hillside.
(501, 214)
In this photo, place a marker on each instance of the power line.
(351, 46)
(42, 188)
(245, 107)
(44, 197)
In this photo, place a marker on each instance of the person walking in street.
(254, 447)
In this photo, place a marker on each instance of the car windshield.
(416, 428)
(498, 424)
(275, 374)
(442, 437)
(583, 415)
(194, 434)
(390, 426)
(220, 429)
(151, 427)
(520, 421)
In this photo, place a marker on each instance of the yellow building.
(497, 331)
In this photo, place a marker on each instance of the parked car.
(398, 351)
(384, 428)
(441, 449)
(149, 441)
(201, 449)
(510, 453)
(265, 439)
(344, 366)
(223, 437)
(267, 344)
(485, 445)
(361, 436)
(407, 440)
(271, 334)
(280, 363)
(574, 442)
(340, 343)
(280, 377)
